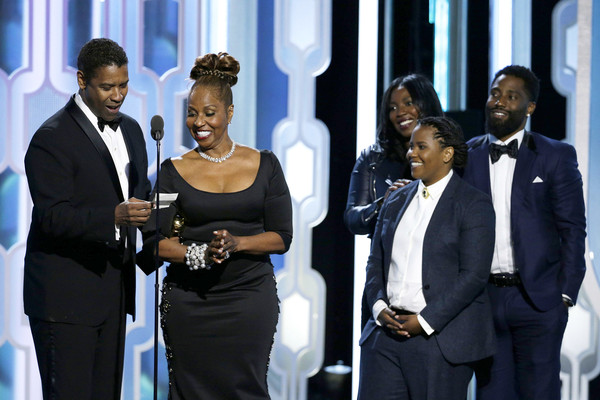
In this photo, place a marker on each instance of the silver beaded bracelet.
(195, 257)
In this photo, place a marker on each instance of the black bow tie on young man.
(496, 150)
(114, 124)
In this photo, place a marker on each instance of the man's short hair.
(532, 83)
(99, 53)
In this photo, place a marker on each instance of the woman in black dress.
(219, 305)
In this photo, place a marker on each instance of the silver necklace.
(217, 160)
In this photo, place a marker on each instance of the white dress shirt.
(501, 179)
(116, 146)
(405, 277)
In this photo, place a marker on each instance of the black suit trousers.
(79, 361)
(527, 362)
(397, 368)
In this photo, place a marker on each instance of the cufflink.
(568, 302)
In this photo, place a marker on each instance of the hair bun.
(221, 65)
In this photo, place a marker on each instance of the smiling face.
(403, 113)
(207, 117)
(105, 92)
(507, 107)
(428, 160)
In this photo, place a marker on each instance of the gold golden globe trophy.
(178, 225)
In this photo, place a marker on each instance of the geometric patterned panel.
(11, 25)
(79, 29)
(302, 51)
(160, 35)
(580, 353)
(39, 43)
(9, 196)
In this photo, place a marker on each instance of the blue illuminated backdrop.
(280, 57)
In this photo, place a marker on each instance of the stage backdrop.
(283, 45)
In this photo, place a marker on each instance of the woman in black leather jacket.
(382, 168)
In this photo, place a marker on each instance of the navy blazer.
(457, 254)
(75, 189)
(547, 214)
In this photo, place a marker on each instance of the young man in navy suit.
(538, 263)
(79, 280)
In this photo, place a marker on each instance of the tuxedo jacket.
(547, 214)
(457, 252)
(75, 188)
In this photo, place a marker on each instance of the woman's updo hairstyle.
(218, 72)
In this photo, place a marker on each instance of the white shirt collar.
(86, 110)
(519, 136)
(435, 190)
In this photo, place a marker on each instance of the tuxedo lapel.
(522, 175)
(479, 158)
(133, 178)
(87, 127)
(525, 159)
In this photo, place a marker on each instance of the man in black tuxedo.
(79, 280)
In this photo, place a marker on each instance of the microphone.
(156, 127)
(156, 131)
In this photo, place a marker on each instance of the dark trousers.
(526, 365)
(393, 368)
(81, 362)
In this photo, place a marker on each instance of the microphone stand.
(156, 130)
(157, 266)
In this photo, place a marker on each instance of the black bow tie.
(114, 124)
(496, 150)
